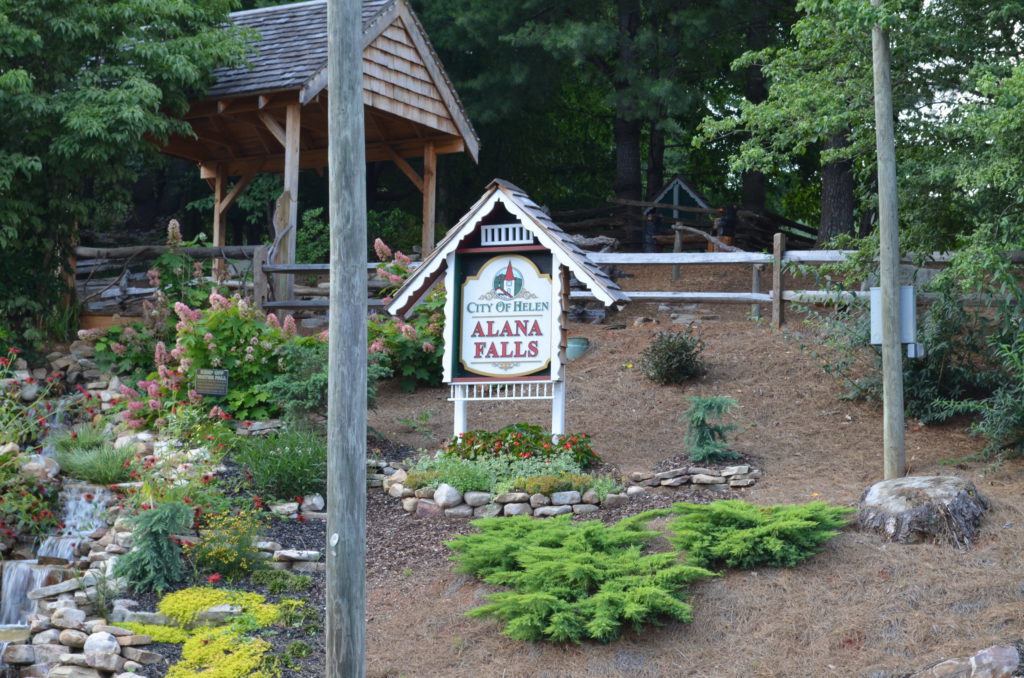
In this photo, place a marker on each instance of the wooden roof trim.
(444, 85)
(534, 219)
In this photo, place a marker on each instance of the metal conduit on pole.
(894, 453)
(346, 409)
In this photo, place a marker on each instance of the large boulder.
(923, 508)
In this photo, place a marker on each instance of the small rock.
(518, 508)
(580, 509)
(215, 616)
(545, 511)
(735, 470)
(72, 638)
(303, 566)
(675, 482)
(74, 659)
(446, 496)
(398, 476)
(641, 322)
(634, 490)
(424, 493)
(460, 511)
(704, 479)
(67, 618)
(614, 500)
(672, 473)
(539, 500)
(141, 656)
(134, 639)
(102, 643)
(426, 508)
(396, 490)
(288, 508)
(115, 631)
(269, 546)
(694, 470)
(565, 498)
(590, 497)
(313, 502)
(19, 654)
(487, 511)
(475, 499)
(512, 498)
(105, 661)
(69, 671)
(743, 482)
(650, 482)
(409, 504)
(295, 554)
(49, 637)
(640, 476)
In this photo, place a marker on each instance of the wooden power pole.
(346, 409)
(894, 453)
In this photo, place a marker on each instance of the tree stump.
(923, 508)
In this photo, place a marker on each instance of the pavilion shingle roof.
(292, 48)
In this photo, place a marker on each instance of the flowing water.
(83, 508)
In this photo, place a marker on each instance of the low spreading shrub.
(573, 581)
(285, 465)
(521, 441)
(733, 533)
(705, 435)
(490, 474)
(673, 357)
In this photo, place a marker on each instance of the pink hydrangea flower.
(160, 353)
(129, 391)
(118, 348)
(289, 329)
(154, 404)
(428, 347)
(409, 332)
(273, 322)
(377, 346)
(402, 260)
(218, 301)
(382, 250)
(193, 396)
(135, 405)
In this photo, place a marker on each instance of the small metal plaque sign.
(212, 382)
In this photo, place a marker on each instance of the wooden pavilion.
(271, 115)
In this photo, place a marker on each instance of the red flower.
(213, 578)
(186, 500)
(301, 518)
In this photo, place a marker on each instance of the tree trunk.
(755, 90)
(837, 193)
(627, 127)
(655, 161)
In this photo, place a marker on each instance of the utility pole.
(894, 452)
(346, 390)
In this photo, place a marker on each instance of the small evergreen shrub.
(155, 563)
(573, 581)
(289, 464)
(705, 439)
(673, 357)
(521, 441)
(733, 533)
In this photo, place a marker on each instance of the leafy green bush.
(733, 533)
(128, 350)
(285, 465)
(490, 474)
(302, 387)
(313, 239)
(704, 439)
(154, 564)
(27, 507)
(413, 349)
(282, 581)
(521, 441)
(673, 357)
(573, 581)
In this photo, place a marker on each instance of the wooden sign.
(506, 319)
(212, 382)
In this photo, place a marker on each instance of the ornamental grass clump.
(574, 581)
(733, 533)
(87, 453)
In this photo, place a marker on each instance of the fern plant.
(155, 562)
(705, 437)
(733, 533)
(572, 582)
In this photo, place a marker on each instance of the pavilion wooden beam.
(219, 230)
(274, 127)
(287, 225)
(429, 197)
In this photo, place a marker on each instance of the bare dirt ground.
(863, 607)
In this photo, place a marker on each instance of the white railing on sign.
(521, 390)
(505, 234)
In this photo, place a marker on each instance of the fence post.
(259, 276)
(755, 288)
(778, 248)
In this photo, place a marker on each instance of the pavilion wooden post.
(219, 227)
(288, 221)
(346, 391)
(429, 197)
(778, 249)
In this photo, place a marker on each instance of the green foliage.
(313, 239)
(493, 474)
(77, 120)
(226, 545)
(178, 276)
(302, 387)
(21, 422)
(673, 357)
(549, 483)
(395, 226)
(521, 441)
(127, 350)
(282, 581)
(27, 507)
(573, 582)
(705, 436)
(413, 350)
(100, 465)
(733, 533)
(154, 564)
(284, 465)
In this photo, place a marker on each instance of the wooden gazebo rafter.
(271, 116)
